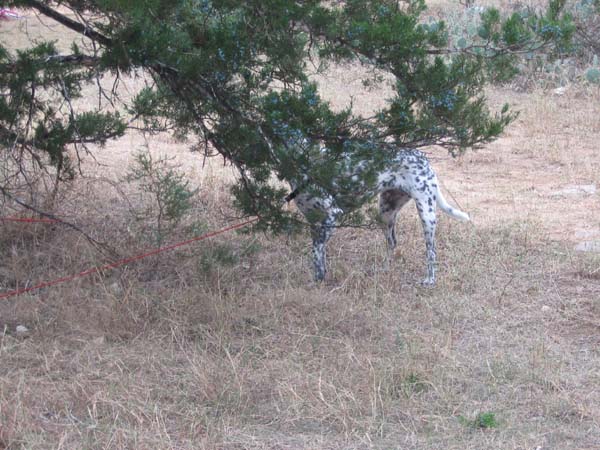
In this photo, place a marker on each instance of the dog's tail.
(451, 211)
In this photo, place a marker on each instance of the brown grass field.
(228, 344)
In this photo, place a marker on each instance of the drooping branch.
(74, 25)
(67, 60)
(100, 245)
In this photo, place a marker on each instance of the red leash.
(28, 219)
(125, 260)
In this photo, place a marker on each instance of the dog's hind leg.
(390, 202)
(426, 207)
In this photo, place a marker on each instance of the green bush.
(484, 420)
(164, 194)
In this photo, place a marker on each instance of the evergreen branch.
(74, 25)
(30, 143)
(75, 60)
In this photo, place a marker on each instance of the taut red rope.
(127, 260)
(28, 219)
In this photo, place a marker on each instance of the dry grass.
(228, 345)
(253, 355)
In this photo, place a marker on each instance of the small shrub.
(567, 62)
(165, 194)
(587, 20)
(218, 255)
(404, 385)
(485, 421)
(593, 75)
(414, 384)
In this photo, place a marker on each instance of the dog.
(407, 175)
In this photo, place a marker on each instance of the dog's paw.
(386, 266)
(428, 282)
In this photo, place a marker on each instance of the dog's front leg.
(321, 232)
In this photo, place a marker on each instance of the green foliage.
(414, 384)
(571, 61)
(485, 421)
(503, 40)
(587, 37)
(169, 192)
(217, 255)
(593, 75)
(37, 117)
(226, 255)
(233, 76)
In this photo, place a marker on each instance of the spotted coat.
(408, 176)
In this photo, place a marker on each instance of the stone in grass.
(588, 246)
(577, 189)
(21, 330)
(561, 90)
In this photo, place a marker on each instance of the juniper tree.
(234, 77)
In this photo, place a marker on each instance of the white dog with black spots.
(408, 175)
